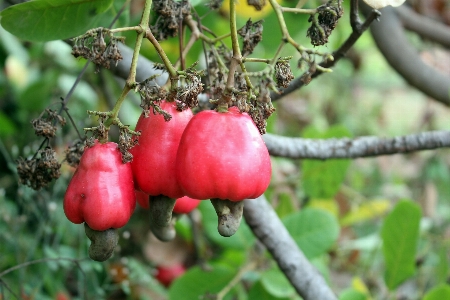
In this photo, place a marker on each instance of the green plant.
(327, 212)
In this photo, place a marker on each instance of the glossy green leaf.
(322, 179)
(242, 239)
(314, 230)
(46, 20)
(276, 283)
(197, 283)
(258, 291)
(439, 292)
(400, 233)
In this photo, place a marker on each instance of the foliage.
(349, 217)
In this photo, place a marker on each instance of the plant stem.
(250, 266)
(170, 69)
(122, 29)
(131, 81)
(262, 60)
(299, 10)
(143, 29)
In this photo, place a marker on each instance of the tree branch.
(264, 222)
(425, 27)
(389, 35)
(269, 229)
(358, 29)
(353, 148)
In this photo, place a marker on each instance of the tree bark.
(269, 229)
(366, 146)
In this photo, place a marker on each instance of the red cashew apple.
(101, 191)
(183, 205)
(222, 155)
(154, 157)
(166, 274)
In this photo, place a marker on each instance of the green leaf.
(399, 233)
(276, 284)
(442, 267)
(285, 205)
(314, 230)
(438, 293)
(258, 291)
(46, 20)
(242, 239)
(352, 294)
(322, 179)
(196, 283)
(7, 125)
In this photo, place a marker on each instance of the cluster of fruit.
(212, 155)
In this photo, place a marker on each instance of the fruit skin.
(222, 155)
(185, 205)
(166, 274)
(142, 199)
(101, 191)
(154, 157)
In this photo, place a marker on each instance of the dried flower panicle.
(99, 132)
(261, 108)
(74, 153)
(39, 171)
(170, 14)
(43, 128)
(92, 46)
(46, 125)
(126, 142)
(252, 35)
(283, 72)
(187, 95)
(151, 95)
(257, 4)
(214, 4)
(328, 16)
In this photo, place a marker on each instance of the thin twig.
(358, 29)
(235, 280)
(38, 261)
(3, 283)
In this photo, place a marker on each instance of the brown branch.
(426, 27)
(269, 229)
(358, 27)
(389, 35)
(353, 148)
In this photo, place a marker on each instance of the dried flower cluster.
(126, 142)
(257, 4)
(151, 95)
(92, 46)
(46, 125)
(283, 72)
(328, 16)
(99, 132)
(170, 14)
(214, 4)
(252, 35)
(39, 171)
(73, 153)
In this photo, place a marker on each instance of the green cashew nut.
(229, 215)
(103, 243)
(161, 221)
